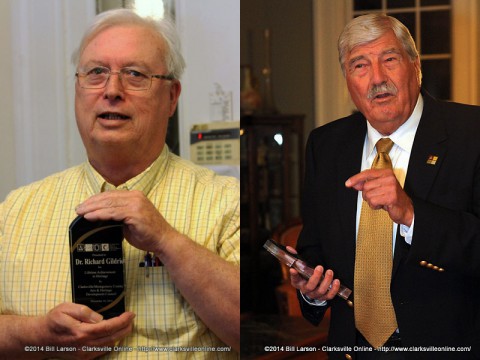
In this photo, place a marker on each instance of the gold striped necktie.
(374, 313)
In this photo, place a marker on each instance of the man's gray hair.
(367, 28)
(164, 28)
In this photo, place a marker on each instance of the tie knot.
(384, 145)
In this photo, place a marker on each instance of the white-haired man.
(406, 243)
(127, 87)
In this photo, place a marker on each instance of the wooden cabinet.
(272, 152)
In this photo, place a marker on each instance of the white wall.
(41, 132)
(210, 33)
(7, 143)
(38, 132)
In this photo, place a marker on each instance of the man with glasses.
(183, 216)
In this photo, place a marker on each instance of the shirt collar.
(403, 136)
(143, 182)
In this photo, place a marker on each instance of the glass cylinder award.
(96, 261)
(293, 261)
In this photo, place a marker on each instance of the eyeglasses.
(97, 78)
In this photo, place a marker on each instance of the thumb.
(84, 314)
(291, 250)
(296, 279)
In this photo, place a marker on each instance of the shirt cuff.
(407, 232)
(313, 302)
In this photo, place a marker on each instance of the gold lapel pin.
(432, 160)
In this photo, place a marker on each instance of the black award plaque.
(96, 260)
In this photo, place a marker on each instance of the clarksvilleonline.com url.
(425, 348)
(398, 348)
(286, 348)
(182, 349)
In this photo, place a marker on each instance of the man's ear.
(175, 90)
(418, 70)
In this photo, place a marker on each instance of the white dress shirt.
(399, 154)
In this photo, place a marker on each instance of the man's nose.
(114, 87)
(379, 75)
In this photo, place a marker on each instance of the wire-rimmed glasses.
(131, 79)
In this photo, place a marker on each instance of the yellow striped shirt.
(35, 261)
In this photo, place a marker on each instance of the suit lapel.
(428, 153)
(349, 163)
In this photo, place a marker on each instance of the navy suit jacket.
(435, 284)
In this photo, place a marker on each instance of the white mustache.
(382, 88)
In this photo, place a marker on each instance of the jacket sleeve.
(313, 313)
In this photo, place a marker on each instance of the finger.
(81, 313)
(376, 202)
(358, 181)
(378, 195)
(332, 292)
(296, 280)
(105, 214)
(314, 280)
(326, 282)
(113, 329)
(107, 208)
(292, 250)
(107, 199)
